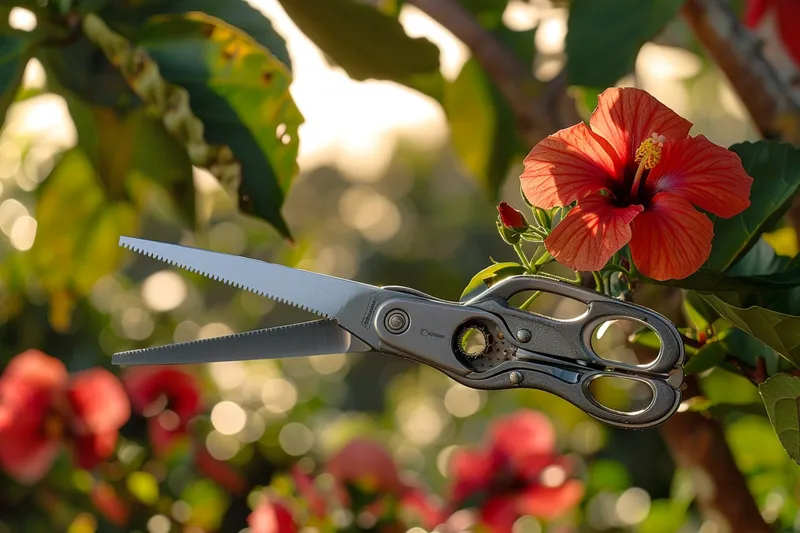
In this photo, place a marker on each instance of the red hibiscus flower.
(42, 408)
(271, 517)
(170, 398)
(517, 474)
(787, 20)
(637, 177)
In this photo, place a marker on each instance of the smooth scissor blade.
(352, 303)
(320, 337)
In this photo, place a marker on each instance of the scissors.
(483, 343)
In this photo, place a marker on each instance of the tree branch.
(539, 108)
(768, 98)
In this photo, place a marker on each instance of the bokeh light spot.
(228, 417)
(462, 401)
(295, 438)
(222, 447)
(278, 395)
(633, 506)
(181, 511)
(10, 211)
(420, 421)
(526, 524)
(553, 476)
(328, 364)
(164, 291)
(159, 524)
(23, 233)
(137, 324)
(22, 19)
(214, 329)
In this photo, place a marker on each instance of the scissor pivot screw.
(397, 321)
(523, 335)
(515, 377)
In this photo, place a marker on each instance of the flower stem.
(598, 280)
(530, 300)
(523, 258)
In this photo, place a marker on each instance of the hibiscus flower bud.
(511, 224)
(511, 218)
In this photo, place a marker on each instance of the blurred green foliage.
(187, 130)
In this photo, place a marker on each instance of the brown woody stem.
(539, 109)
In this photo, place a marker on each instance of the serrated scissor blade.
(320, 337)
(352, 303)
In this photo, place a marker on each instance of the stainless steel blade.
(320, 337)
(352, 303)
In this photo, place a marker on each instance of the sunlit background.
(380, 198)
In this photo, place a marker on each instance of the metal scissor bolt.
(523, 335)
(515, 377)
(397, 321)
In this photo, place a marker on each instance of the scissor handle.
(571, 338)
(574, 387)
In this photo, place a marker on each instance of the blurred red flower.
(108, 502)
(170, 397)
(517, 474)
(367, 466)
(786, 15)
(637, 177)
(271, 517)
(43, 407)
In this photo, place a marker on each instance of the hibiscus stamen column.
(647, 155)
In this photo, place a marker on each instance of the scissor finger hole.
(548, 304)
(621, 394)
(611, 341)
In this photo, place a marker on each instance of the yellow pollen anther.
(649, 152)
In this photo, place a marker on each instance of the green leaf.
(127, 17)
(490, 275)
(781, 395)
(699, 313)
(80, 68)
(603, 38)
(708, 356)
(775, 169)
(482, 127)
(746, 348)
(779, 331)
(241, 94)
(367, 43)
(75, 224)
(15, 51)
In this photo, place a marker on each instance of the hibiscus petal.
(523, 434)
(567, 166)
(671, 239)
(709, 176)
(591, 233)
(626, 116)
(37, 369)
(99, 403)
(91, 450)
(148, 385)
(27, 458)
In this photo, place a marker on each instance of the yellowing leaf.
(783, 240)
